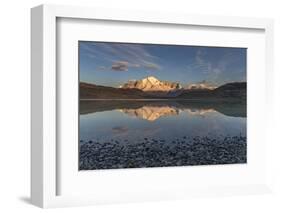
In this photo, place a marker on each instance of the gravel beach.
(151, 152)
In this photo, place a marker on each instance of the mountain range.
(153, 88)
(151, 84)
(203, 85)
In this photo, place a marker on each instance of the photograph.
(145, 105)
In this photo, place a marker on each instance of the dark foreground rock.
(159, 153)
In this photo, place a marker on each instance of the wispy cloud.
(151, 66)
(212, 69)
(120, 56)
(202, 63)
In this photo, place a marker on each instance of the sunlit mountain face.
(204, 85)
(152, 83)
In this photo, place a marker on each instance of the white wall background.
(15, 104)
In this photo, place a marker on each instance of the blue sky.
(113, 64)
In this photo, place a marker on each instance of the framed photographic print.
(130, 106)
(195, 116)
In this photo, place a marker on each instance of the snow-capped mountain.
(151, 84)
(203, 85)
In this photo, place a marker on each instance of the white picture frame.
(44, 155)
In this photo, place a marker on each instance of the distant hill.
(229, 91)
(237, 89)
(146, 90)
(91, 91)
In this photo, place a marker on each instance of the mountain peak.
(152, 78)
(151, 83)
(203, 85)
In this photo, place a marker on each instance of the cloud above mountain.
(215, 67)
(121, 56)
(120, 66)
(113, 64)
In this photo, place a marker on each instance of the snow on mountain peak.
(151, 83)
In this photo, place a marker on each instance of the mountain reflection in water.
(152, 110)
(142, 133)
(151, 113)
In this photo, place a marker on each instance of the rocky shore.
(152, 152)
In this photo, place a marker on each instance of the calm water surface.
(135, 134)
(159, 120)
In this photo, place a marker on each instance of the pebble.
(159, 153)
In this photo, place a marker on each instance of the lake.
(156, 133)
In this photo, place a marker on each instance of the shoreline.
(95, 155)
